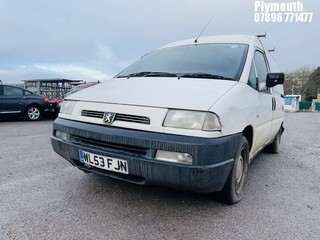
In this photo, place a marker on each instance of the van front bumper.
(212, 157)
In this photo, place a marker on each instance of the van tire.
(273, 147)
(232, 191)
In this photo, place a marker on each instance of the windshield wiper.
(204, 75)
(167, 74)
(148, 74)
(161, 74)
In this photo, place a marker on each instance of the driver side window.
(261, 68)
(253, 81)
(258, 72)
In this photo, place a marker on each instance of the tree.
(313, 85)
(295, 82)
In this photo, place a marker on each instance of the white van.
(190, 115)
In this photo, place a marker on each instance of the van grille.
(132, 150)
(118, 117)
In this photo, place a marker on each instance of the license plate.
(103, 162)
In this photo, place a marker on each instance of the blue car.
(18, 102)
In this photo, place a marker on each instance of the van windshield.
(216, 61)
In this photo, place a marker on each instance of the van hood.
(183, 93)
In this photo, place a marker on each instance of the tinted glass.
(12, 91)
(27, 93)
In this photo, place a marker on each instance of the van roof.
(240, 39)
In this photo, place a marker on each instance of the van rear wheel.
(274, 146)
(232, 190)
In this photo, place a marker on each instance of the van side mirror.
(274, 79)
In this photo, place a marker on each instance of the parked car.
(58, 101)
(191, 115)
(18, 102)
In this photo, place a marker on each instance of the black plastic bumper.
(212, 157)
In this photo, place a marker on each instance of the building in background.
(51, 88)
(291, 103)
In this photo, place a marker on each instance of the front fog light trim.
(176, 157)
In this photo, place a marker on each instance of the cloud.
(99, 63)
(43, 71)
(72, 71)
(99, 38)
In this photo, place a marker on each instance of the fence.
(309, 106)
(304, 106)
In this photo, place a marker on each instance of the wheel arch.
(282, 128)
(35, 105)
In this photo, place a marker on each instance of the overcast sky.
(95, 39)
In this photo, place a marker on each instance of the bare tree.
(297, 81)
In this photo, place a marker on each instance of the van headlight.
(206, 121)
(67, 107)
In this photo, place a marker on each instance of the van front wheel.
(232, 190)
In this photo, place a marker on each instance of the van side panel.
(243, 106)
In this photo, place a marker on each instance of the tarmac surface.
(43, 197)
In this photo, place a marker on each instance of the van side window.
(258, 73)
(261, 67)
(252, 81)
